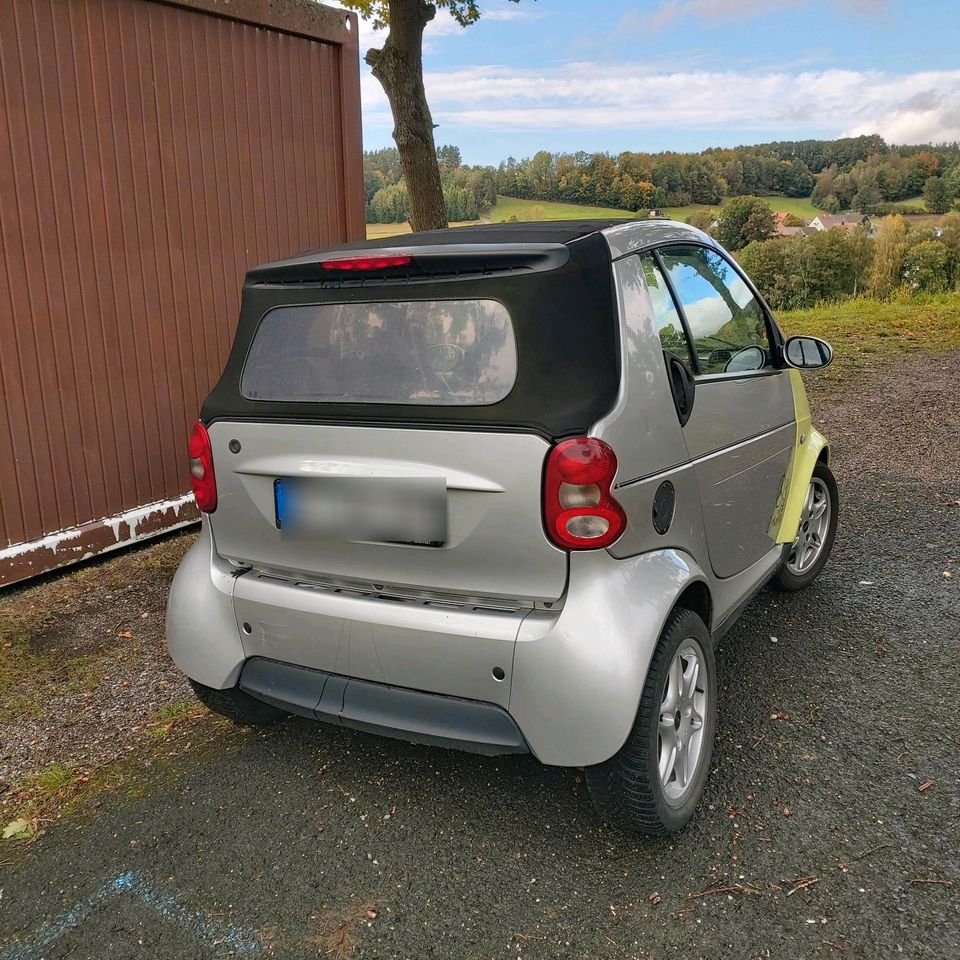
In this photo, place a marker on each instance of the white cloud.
(511, 13)
(670, 10)
(913, 107)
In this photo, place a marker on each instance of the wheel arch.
(812, 448)
(697, 598)
(594, 654)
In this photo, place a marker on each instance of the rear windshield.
(440, 352)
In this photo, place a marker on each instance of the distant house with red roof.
(843, 221)
(782, 230)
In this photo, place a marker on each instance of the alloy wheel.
(680, 745)
(814, 524)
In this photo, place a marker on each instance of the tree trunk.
(399, 68)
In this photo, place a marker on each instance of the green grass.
(549, 210)
(910, 202)
(43, 796)
(162, 721)
(525, 210)
(28, 677)
(798, 206)
(864, 332)
(377, 231)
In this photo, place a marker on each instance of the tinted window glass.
(665, 315)
(447, 352)
(725, 320)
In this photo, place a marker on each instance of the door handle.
(682, 386)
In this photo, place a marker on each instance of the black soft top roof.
(559, 294)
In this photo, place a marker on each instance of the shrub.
(702, 219)
(795, 272)
(742, 220)
(389, 205)
(927, 267)
(889, 247)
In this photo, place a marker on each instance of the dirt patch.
(339, 931)
(900, 420)
(83, 666)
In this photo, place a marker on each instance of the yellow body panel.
(807, 449)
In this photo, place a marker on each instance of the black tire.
(237, 706)
(787, 579)
(626, 789)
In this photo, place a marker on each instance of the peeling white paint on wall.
(61, 539)
(52, 541)
(133, 518)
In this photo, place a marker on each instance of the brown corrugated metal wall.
(150, 152)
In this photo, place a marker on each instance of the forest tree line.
(855, 173)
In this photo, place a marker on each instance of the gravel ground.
(829, 827)
(104, 621)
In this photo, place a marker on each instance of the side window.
(665, 315)
(726, 322)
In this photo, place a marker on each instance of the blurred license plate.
(381, 509)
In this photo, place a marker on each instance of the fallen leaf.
(18, 829)
(126, 634)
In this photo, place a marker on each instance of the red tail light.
(580, 511)
(202, 477)
(366, 263)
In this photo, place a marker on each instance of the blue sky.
(683, 74)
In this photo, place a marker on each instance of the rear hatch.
(385, 415)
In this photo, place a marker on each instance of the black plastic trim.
(413, 715)
(725, 625)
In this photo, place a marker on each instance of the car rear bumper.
(563, 683)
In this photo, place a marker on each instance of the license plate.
(379, 509)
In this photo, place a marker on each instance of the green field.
(865, 330)
(910, 203)
(375, 231)
(798, 206)
(506, 207)
(527, 210)
(532, 210)
(549, 210)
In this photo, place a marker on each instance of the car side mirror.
(807, 353)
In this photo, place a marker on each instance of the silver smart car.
(502, 489)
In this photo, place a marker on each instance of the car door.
(740, 433)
